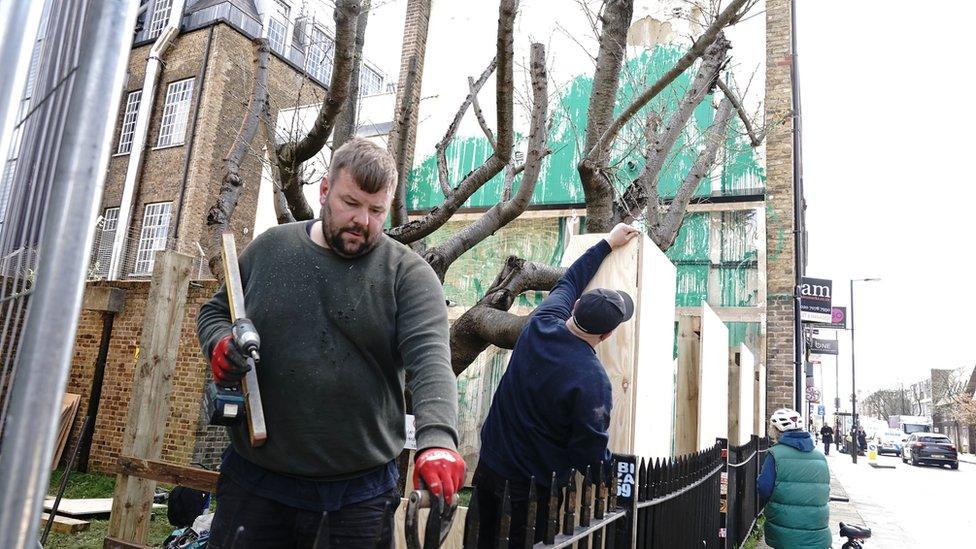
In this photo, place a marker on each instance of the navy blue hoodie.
(551, 411)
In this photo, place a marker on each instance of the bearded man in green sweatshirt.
(344, 313)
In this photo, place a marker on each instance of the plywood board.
(618, 354)
(69, 408)
(759, 399)
(735, 375)
(713, 390)
(85, 507)
(687, 381)
(654, 379)
(747, 391)
(454, 540)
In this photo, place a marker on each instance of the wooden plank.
(618, 354)
(713, 395)
(84, 507)
(734, 384)
(115, 543)
(759, 400)
(747, 366)
(65, 525)
(170, 473)
(69, 408)
(686, 399)
(150, 397)
(256, 426)
(654, 366)
(728, 314)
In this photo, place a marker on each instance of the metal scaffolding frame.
(46, 239)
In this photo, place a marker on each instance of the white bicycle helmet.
(786, 419)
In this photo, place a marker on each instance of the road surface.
(918, 507)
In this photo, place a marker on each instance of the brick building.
(198, 102)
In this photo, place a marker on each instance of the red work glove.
(441, 469)
(227, 362)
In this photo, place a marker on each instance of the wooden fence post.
(686, 401)
(149, 402)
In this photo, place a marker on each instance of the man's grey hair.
(369, 165)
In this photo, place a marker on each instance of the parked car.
(930, 448)
(890, 441)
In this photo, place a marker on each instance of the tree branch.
(714, 138)
(441, 257)
(597, 188)
(346, 123)
(480, 115)
(400, 141)
(754, 139)
(346, 15)
(441, 147)
(416, 230)
(727, 17)
(282, 212)
(231, 187)
(660, 143)
(471, 333)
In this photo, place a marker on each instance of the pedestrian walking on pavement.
(795, 480)
(862, 441)
(827, 436)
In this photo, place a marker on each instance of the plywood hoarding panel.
(713, 390)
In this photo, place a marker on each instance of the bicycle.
(854, 535)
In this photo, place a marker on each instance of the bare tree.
(489, 321)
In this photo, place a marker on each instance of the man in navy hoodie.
(551, 411)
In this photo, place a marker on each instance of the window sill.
(173, 146)
(121, 154)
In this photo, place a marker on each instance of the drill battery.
(224, 405)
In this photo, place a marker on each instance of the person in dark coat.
(862, 440)
(827, 436)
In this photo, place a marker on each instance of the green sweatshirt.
(337, 337)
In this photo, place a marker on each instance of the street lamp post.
(854, 424)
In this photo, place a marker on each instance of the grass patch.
(756, 535)
(96, 485)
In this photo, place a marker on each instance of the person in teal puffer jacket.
(796, 481)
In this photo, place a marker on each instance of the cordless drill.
(225, 405)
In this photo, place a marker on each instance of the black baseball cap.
(601, 310)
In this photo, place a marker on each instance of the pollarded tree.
(609, 115)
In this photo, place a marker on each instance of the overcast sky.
(887, 136)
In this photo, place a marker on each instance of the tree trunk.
(347, 122)
(231, 186)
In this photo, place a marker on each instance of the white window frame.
(152, 236)
(367, 73)
(129, 122)
(320, 50)
(159, 19)
(176, 110)
(278, 26)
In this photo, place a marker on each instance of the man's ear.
(323, 189)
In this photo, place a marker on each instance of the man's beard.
(333, 236)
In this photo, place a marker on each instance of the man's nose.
(361, 217)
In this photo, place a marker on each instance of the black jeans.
(491, 487)
(827, 444)
(267, 523)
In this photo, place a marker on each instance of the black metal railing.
(744, 464)
(678, 503)
(588, 516)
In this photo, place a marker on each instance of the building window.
(370, 81)
(278, 26)
(106, 240)
(152, 238)
(320, 55)
(159, 19)
(172, 130)
(129, 121)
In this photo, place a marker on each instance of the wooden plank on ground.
(65, 525)
(170, 473)
(84, 507)
(150, 397)
(115, 543)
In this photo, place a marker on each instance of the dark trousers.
(491, 487)
(827, 443)
(269, 524)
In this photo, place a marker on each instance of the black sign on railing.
(626, 469)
